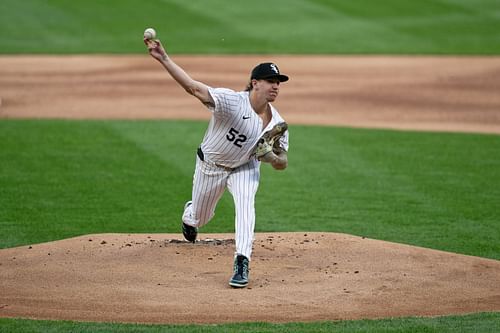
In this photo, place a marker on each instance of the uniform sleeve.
(226, 101)
(284, 141)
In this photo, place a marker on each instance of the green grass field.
(439, 190)
(258, 26)
(483, 322)
(65, 178)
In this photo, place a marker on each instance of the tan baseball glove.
(270, 140)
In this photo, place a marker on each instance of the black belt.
(200, 154)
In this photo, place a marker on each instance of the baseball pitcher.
(244, 130)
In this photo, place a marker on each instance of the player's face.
(269, 88)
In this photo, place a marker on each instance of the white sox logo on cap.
(267, 70)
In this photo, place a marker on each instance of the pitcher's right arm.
(192, 87)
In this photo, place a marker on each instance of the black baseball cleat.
(240, 277)
(190, 233)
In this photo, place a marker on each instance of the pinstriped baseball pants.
(210, 182)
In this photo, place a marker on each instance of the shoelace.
(244, 266)
(241, 268)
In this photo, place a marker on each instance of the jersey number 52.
(235, 137)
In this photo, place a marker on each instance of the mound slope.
(159, 278)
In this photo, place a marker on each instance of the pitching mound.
(160, 278)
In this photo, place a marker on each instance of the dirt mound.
(160, 278)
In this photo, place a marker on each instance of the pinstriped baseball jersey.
(235, 128)
(230, 141)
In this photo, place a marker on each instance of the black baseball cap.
(267, 70)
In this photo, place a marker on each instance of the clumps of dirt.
(201, 242)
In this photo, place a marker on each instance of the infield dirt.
(422, 93)
(160, 278)
(294, 276)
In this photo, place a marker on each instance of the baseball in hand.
(150, 33)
